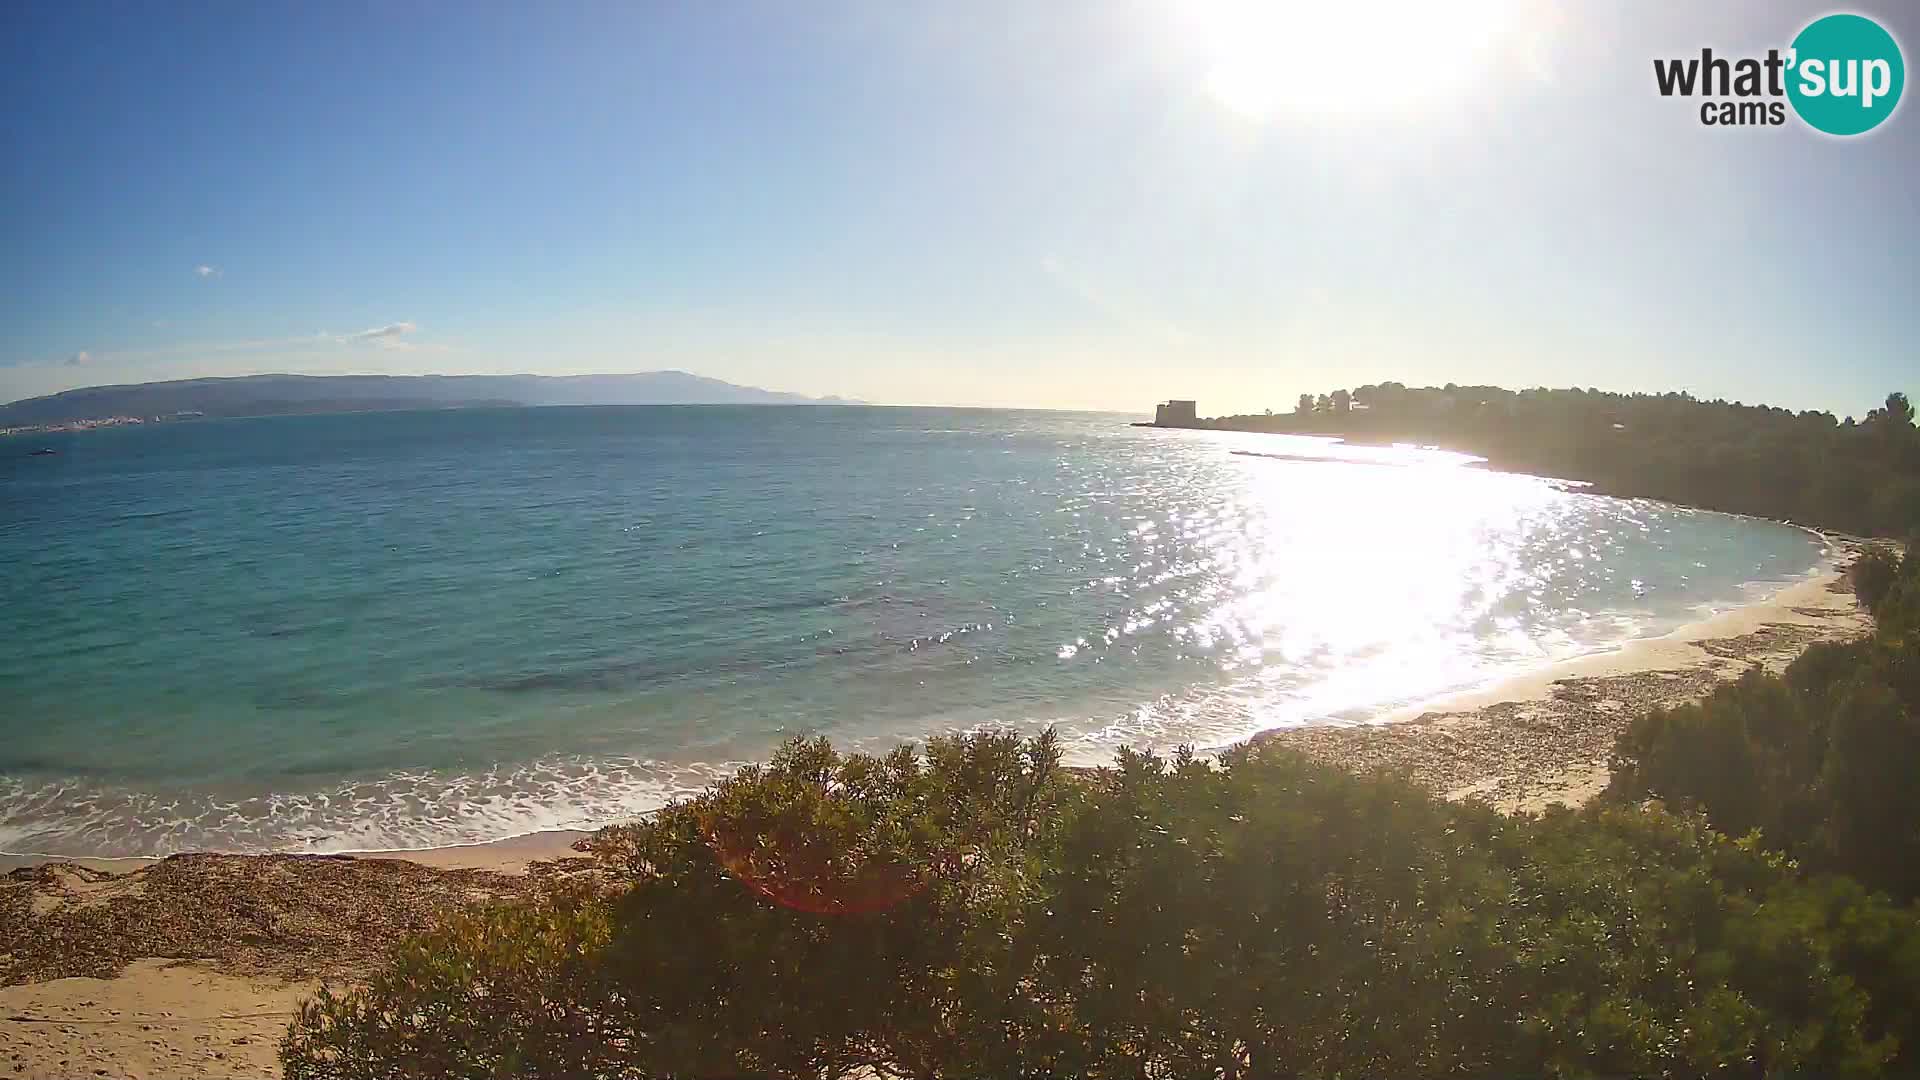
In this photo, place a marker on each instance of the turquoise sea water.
(407, 629)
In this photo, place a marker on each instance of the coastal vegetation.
(975, 909)
(1822, 760)
(1859, 476)
(1743, 900)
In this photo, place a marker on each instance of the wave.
(45, 814)
(412, 810)
(72, 817)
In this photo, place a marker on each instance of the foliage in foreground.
(1824, 761)
(977, 912)
(513, 990)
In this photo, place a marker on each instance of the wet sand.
(193, 966)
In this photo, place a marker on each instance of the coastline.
(193, 965)
(507, 855)
(1681, 665)
(1599, 692)
(1542, 737)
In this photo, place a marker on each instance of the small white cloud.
(390, 330)
(206, 271)
(81, 357)
(385, 337)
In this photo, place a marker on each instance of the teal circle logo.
(1845, 74)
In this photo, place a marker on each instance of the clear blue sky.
(1047, 203)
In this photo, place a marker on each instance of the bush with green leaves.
(977, 910)
(1822, 760)
(512, 990)
(1873, 575)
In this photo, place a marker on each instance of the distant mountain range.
(268, 395)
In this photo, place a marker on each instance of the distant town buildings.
(1176, 413)
(99, 422)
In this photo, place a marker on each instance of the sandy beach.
(1543, 738)
(192, 966)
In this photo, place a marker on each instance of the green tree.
(1897, 414)
(1748, 459)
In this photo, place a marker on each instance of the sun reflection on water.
(1339, 579)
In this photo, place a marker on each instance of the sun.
(1336, 58)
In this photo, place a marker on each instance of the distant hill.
(267, 395)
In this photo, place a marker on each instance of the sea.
(416, 629)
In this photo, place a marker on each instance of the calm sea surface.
(407, 629)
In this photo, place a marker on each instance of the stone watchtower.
(1176, 413)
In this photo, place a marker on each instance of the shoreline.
(507, 855)
(193, 965)
(1542, 737)
(1680, 649)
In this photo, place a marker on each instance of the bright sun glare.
(1270, 56)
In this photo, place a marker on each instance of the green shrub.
(507, 991)
(1873, 575)
(1872, 764)
(828, 911)
(1877, 946)
(1821, 761)
(1279, 917)
(977, 911)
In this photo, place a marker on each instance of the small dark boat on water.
(45, 451)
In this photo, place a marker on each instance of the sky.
(1056, 204)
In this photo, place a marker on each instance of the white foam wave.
(402, 811)
(421, 809)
